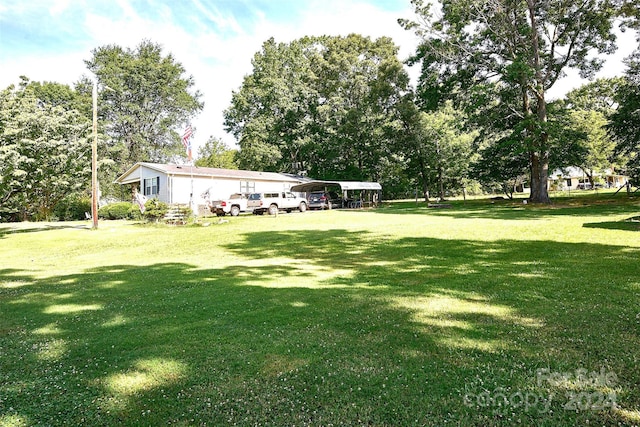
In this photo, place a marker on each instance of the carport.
(355, 194)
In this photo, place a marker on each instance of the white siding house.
(574, 178)
(190, 185)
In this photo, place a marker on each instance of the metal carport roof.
(318, 185)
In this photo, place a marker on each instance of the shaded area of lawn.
(337, 327)
(19, 228)
(587, 204)
(630, 224)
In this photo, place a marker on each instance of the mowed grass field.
(485, 313)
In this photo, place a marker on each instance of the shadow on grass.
(631, 224)
(604, 204)
(35, 228)
(323, 328)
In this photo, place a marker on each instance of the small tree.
(154, 209)
(597, 145)
(502, 164)
(216, 154)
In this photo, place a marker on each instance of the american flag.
(186, 141)
(141, 200)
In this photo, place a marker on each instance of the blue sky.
(213, 39)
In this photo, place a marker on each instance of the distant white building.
(192, 185)
(574, 178)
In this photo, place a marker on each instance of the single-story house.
(193, 185)
(574, 178)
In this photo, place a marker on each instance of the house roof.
(130, 176)
(318, 185)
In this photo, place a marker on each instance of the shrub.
(119, 210)
(155, 209)
(186, 211)
(72, 207)
(134, 212)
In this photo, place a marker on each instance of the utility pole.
(94, 159)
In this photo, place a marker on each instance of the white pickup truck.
(235, 204)
(260, 203)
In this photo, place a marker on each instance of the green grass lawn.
(482, 314)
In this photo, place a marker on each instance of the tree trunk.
(425, 188)
(425, 182)
(539, 178)
(508, 189)
(440, 179)
(540, 154)
(590, 177)
(440, 172)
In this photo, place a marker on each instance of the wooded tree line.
(343, 108)
(145, 98)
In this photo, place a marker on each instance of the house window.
(247, 187)
(152, 186)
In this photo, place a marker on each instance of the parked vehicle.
(235, 204)
(260, 203)
(324, 200)
(584, 186)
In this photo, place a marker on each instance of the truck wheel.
(302, 207)
(235, 211)
(273, 209)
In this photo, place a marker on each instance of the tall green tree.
(145, 100)
(625, 122)
(215, 154)
(598, 95)
(326, 105)
(271, 114)
(598, 147)
(525, 45)
(363, 87)
(44, 149)
(440, 152)
(626, 119)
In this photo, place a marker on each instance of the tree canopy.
(44, 149)
(439, 151)
(325, 105)
(145, 100)
(215, 154)
(524, 45)
(342, 107)
(625, 122)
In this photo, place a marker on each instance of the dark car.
(324, 200)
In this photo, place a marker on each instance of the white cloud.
(234, 54)
(222, 22)
(614, 66)
(58, 7)
(213, 44)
